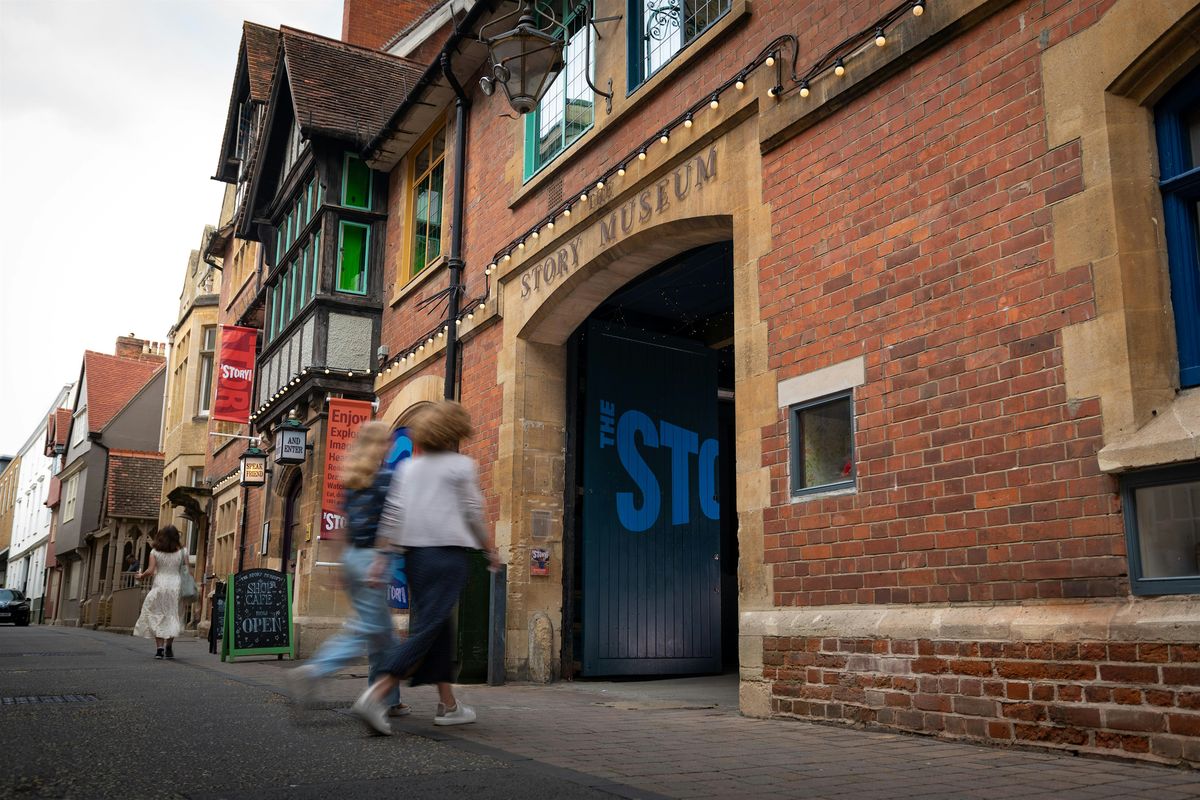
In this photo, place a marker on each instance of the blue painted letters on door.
(638, 511)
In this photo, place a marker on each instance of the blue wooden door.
(651, 515)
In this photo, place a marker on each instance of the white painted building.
(31, 517)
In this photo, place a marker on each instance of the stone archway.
(550, 292)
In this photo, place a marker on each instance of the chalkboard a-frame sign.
(258, 615)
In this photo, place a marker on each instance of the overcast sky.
(111, 113)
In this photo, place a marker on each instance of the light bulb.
(641, 155)
(687, 123)
(919, 8)
(771, 60)
(420, 348)
(349, 374)
(664, 139)
(327, 370)
(507, 257)
(839, 68)
(429, 340)
(741, 84)
(880, 39)
(470, 315)
(550, 225)
(567, 211)
(534, 234)
(583, 197)
(445, 329)
(771, 92)
(480, 305)
(804, 92)
(599, 185)
(621, 171)
(521, 245)
(458, 321)
(715, 104)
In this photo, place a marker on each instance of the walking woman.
(434, 510)
(159, 619)
(366, 481)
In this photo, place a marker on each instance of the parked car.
(14, 607)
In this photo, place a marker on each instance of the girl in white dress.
(159, 619)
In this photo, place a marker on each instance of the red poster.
(345, 418)
(235, 374)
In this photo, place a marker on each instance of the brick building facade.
(880, 369)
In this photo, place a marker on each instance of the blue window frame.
(1177, 125)
(659, 29)
(1162, 529)
(821, 434)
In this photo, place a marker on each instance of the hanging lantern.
(253, 467)
(291, 441)
(525, 59)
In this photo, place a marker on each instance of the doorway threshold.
(698, 692)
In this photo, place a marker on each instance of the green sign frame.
(228, 651)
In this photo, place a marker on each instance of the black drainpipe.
(454, 261)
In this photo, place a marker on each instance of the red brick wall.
(373, 23)
(1134, 698)
(913, 229)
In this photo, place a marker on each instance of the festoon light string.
(785, 48)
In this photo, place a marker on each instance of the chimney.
(137, 349)
(374, 23)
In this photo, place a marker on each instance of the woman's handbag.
(187, 584)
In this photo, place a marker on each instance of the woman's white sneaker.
(372, 713)
(460, 715)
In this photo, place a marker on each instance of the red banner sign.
(345, 418)
(235, 374)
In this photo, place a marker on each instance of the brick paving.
(686, 739)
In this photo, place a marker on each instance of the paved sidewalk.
(685, 738)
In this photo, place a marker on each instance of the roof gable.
(111, 382)
(257, 54)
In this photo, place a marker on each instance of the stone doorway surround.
(708, 191)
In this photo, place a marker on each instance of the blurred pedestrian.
(434, 512)
(366, 479)
(159, 619)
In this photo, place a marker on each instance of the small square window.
(1162, 529)
(822, 444)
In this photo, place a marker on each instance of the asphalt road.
(184, 729)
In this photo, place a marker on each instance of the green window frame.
(286, 299)
(316, 263)
(302, 276)
(354, 247)
(274, 310)
(298, 284)
(356, 182)
(425, 202)
(568, 108)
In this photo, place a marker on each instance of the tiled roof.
(262, 49)
(343, 91)
(62, 423)
(112, 382)
(134, 484)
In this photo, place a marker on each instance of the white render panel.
(306, 342)
(349, 342)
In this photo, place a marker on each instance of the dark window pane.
(826, 444)
(1168, 522)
